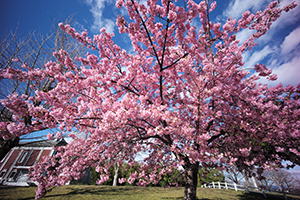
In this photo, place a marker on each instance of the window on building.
(2, 173)
(23, 156)
(12, 176)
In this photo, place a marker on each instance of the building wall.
(8, 161)
(32, 159)
(14, 166)
(23, 156)
(44, 153)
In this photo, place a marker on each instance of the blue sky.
(278, 49)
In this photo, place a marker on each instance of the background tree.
(249, 172)
(233, 174)
(116, 174)
(209, 175)
(296, 185)
(280, 178)
(35, 50)
(181, 97)
(169, 179)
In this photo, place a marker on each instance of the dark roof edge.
(44, 143)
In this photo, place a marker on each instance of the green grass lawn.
(127, 192)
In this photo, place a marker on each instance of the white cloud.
(144, 2)
(243, 35)
(288, 73)
(78, 134)
(124, 11)
(97, 7)
(237, 7)
(286, 19)
(68, 139)
(140, 156)
(79, 27)
(285, 61)
(290, 41)
(256, 57)
(290, 17)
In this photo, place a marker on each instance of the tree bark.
(117, 169)
(7, 145)
(191, 181)
(246, 179)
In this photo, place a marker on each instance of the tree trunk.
(7, 145)
(191, 180)
(246, 179)
(117, 169)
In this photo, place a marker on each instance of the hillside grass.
(74, 192)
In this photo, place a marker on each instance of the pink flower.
(50, 136)
(122, 180)
(272, 77)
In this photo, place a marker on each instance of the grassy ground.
(127, 193)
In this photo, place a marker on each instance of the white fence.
(224, 185)
(236, 187)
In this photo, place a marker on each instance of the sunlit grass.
(127, 193)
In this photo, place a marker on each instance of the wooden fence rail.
(236, 187)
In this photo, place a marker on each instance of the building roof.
(44, 143)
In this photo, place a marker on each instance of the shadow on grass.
(197, 198)
(229, 194)
(69, 191)
(259, 196)
(94, 191)
(245, 196)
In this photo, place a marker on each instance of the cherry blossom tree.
(182, 98)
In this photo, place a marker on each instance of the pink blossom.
(122, 180)
(272, 77)
(50, 136)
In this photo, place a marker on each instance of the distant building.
(14, 167)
